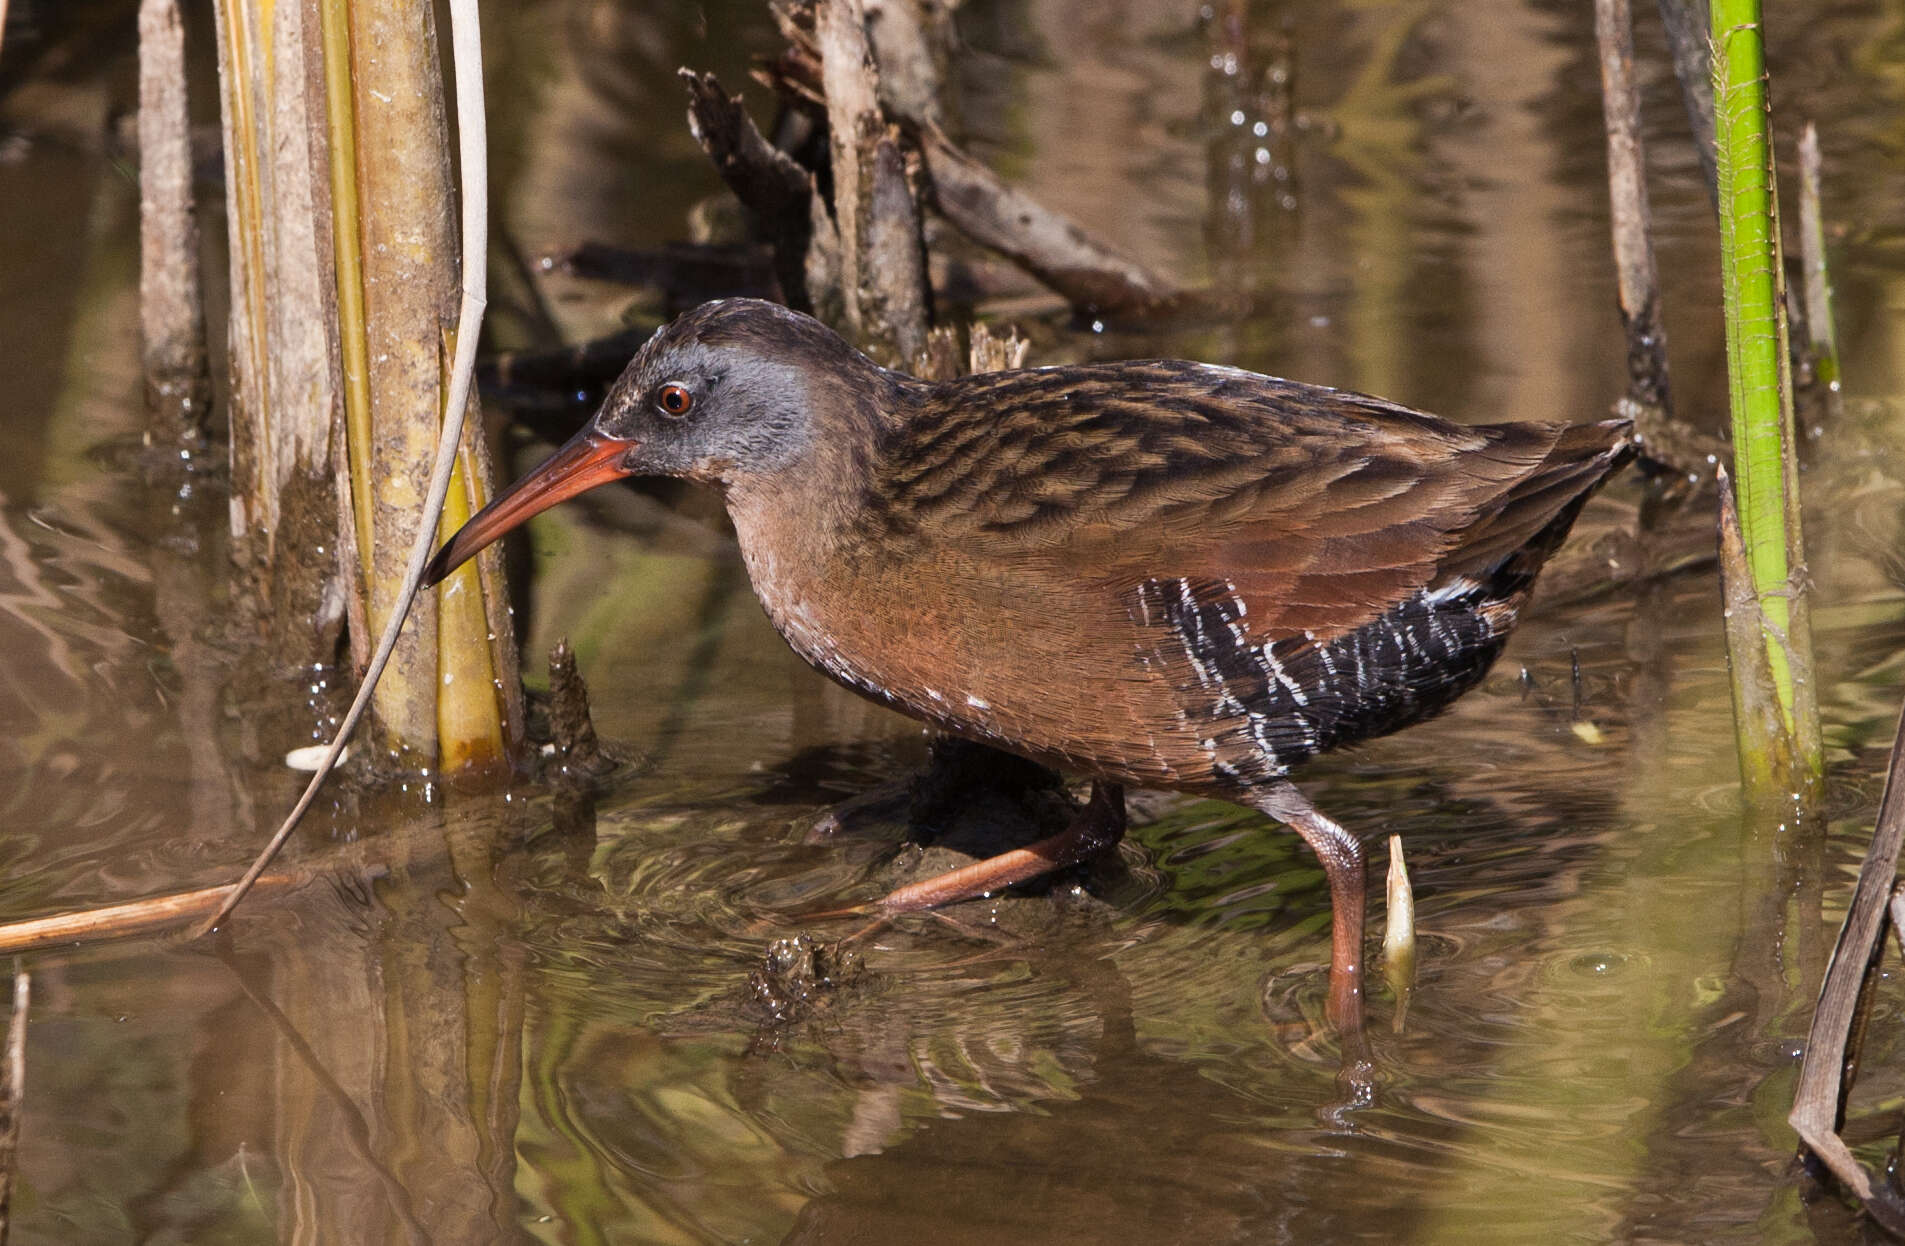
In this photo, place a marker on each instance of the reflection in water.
(529, 1017)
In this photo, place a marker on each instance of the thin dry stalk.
(1818, 284)
(1687, 26)
(171, 302)
(1632, 218)
(131, 920)
(1822, 1071)
(13, 1088)
(350, 452)
(472, 133)
(1399, 932)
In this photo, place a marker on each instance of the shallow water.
(491, 1019)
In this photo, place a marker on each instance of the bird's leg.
(1098, 827)
(1342, 858)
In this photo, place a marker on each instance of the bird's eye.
(674, 400)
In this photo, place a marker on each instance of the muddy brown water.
(491, 1022)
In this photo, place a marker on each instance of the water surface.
(493, 1019)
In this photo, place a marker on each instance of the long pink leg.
(1342, 858)
(1099, 826)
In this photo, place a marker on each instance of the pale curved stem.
(472, 146)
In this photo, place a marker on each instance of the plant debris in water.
(800, 978)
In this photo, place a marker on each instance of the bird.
(1151, 573)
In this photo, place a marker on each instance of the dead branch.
(1092, 277)
(895, 294)
(1631, 216)
(939, 359)
(883, 283)
(578, 756)
(1000, 351)
(911, 39)
(777, 191)
(13, 1087)
(155, 915)
(1822, 1072)
(171, 303)
(1688, 28)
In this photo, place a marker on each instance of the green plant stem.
(1758, 374)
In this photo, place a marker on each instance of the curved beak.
(589, 459)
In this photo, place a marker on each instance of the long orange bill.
(589, 459)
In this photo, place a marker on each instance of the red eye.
(674, 400)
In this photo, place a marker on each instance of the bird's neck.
(814, 501)
(808, 511)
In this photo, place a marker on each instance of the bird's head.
(730, 393)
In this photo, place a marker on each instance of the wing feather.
(1319, 510)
